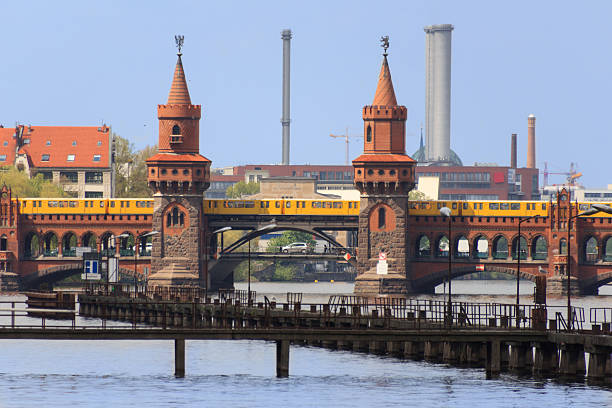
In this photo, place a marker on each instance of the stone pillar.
(570, 365)
(546, 362)
(395, 348)
(450, 354)
(179, 358)
(521, 359)
(282, 358)
(599, 359)
(432, 351)
(493, 363)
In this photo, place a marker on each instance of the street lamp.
(595, 208)
(518, 266)
(446, 212)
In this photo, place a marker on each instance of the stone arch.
(481, 247)
(69, 244)
(50, 244)
(539, 248)
(461, 248)
(519, 244)
(3, 243)
(442, 246)
(423, 246)
(382, 218)
(31, 245)
(590, 250)
(89, 239)
(607, 249)
(175, 218)
(107, 244)
(126, 244)
(500, 247)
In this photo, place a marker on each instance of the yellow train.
(144, 206)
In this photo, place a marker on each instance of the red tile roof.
(179, 94)
(385, 95)
(173, 157)
(84, 142)
(384, 158)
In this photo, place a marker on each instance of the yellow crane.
(346, 137)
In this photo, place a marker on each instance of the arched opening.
(381, 217)
(443, 247)
(50, 244)
(462, 250)
(176, 130)
(175, 218)
(31, 247)
(145, 244)
(519, 245)
(369, 134)
(3, 243)
(539, 249)
(500, 248)
(89, 240)
(69, 244)
(126, 245)
(563, 246)
(481, 248)
(107, 246)
(608, 250)
(423, 249)
(591, 251)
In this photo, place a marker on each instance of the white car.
(296, 247)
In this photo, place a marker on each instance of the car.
(296, 247)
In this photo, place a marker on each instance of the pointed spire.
(179, 94)
(385, 95)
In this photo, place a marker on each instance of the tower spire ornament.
(179, 39)
(384, 43)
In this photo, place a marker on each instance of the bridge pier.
(282, 358)
(431, 351)
(179, 358)
(450, 353)
(493, 361)
(413, 350)
(395, 348)
(572, 361)
(599, 364)
(546, 359)
(521, 358)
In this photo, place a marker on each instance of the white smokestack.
(286, 119)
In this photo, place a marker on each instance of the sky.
(90, 62)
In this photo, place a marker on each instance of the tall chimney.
(286, 120)
(437, 91)
(531, 153)
(513, 151)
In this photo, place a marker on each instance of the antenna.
(384, 43)
(179, 39)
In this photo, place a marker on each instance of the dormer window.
(74, 142)
(48, 143)
(176, 135)
(70, 158)
(45, 158)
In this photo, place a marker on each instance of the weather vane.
(384, 42)
(180, 39)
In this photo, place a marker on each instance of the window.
(369, 134)
(175, 218)
(176, 130)
(93, 177)
(381, 217)
(74, 142)
(5, 143)
(47, 175)
(45, 157)
(97, 157)
(26, 141)
(94, 194)
(69, 177)
(2, 157)
(70, 157)
(99, 143)
(48, 143)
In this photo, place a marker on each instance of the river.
(242, 373)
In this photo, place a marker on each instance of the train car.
(480, 208)
(281, 207)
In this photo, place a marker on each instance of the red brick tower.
(178, 176)
(384, 175)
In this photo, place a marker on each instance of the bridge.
(473, 335)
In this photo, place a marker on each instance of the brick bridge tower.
(384, 175)
(178, 176)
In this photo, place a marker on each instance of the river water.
(242, 373)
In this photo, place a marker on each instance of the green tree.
(131, 169)
(241, 188)
(289, 237)
(416, 195)
(23, 186)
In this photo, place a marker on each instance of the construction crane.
(571, 176)
(346, 137)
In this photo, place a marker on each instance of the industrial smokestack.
(286, 119)
(437, 91)
(531, 153)
(513, 151)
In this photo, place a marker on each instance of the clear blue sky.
(81, 63)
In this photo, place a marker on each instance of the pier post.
(570, 365)
(179, 358)
(546, 362)
(282, 358)
(493, 363)
(599, 359)
(432, 351)
(521, 357)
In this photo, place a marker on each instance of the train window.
(150, 204)
(454, 206)
(351, 205)
(288, 204)
(303, 204)
(316, 204)
(504, 206)
(583, 207)
(465, 206)
(277, 204)
(515, 206)
(112, 204)
(337, 205)
(261, 204)
(61, 204)
(249, 204)
(34, 204)
(86, 204)
(121, 204)
(439, 205)
(101, 204)
(73, 204)
(544, 206)
(475, 206)
(127, 204)
(493, 206)
(40, 203)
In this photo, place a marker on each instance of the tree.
(23, 186)
(289, 237)
(416, 195)
(131, 169)
(241, 188)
